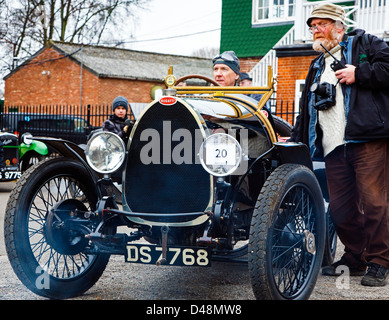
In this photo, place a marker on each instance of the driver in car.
(226, 72)
(226, 69)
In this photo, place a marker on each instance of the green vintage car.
(16, 157)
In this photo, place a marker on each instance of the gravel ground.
(223, 281)
(123, 281)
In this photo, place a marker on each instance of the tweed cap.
(327, 11)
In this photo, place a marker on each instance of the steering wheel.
(197, 76)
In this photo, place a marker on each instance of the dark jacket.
(115, 124)
(367, 114)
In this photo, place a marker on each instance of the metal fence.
(285, 110)
(75, 123)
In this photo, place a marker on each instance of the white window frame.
(274, 15)
(297, 96)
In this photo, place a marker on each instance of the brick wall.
(51, 79)
(291, 69)
(46, 79)
(134, 91)
(246, 64)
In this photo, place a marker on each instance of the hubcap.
(63, 240)
(309, 241)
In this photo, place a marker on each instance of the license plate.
(10, 175)
(175, 256)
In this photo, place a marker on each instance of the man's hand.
(346, 75)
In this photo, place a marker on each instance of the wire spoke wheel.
(51, 249)
(293, 243)
(287, 235)
(46, 253)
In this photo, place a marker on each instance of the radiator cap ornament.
(170, 81)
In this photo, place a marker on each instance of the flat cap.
(327, 11)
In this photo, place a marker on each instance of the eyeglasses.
(319, 27)
(225, 56)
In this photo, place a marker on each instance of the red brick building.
(75, 74)
(293, 65)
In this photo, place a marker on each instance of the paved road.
(220, 282)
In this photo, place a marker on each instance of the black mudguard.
(70, 150)
(293, 152)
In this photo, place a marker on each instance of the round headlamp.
(105, 152)
(220, 154)
(27, 138)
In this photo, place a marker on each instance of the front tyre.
(287, 235)
(48, 259)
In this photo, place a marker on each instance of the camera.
(323, 95)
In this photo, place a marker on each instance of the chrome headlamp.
(105, 152)
(27, 138)
(220, 154)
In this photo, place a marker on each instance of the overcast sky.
(168, 20)
(184, 26)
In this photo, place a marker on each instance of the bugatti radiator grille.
(162, 173)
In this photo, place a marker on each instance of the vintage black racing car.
(204, 179)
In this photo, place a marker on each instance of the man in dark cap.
(226, 69)
(347, 128)
(245, 79)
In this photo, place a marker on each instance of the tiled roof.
(239, 35)
(130, 64)
(107, 62)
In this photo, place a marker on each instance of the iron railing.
(75, 123)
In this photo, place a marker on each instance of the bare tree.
(27, 25)
(206, 52)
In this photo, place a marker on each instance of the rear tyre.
(287, 235)
(46, 257)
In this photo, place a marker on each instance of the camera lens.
(314, 87)
(319, 89)
(324, 95)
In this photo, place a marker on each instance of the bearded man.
(344, 120)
